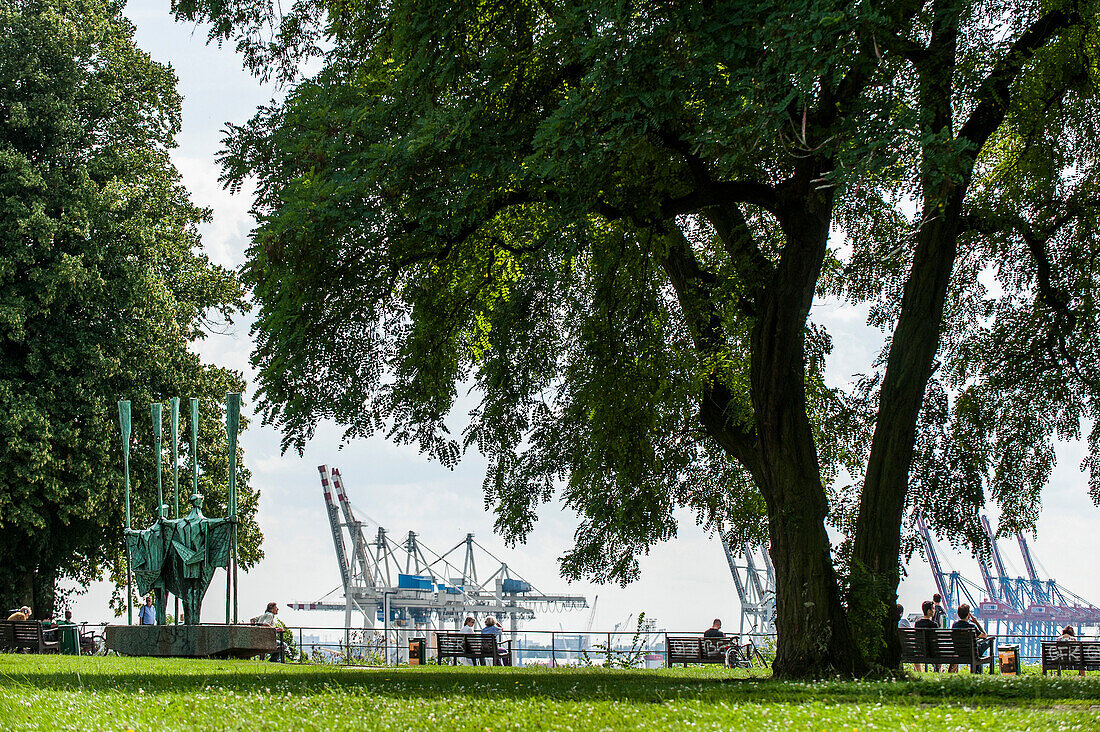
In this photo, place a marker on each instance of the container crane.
(407, 585)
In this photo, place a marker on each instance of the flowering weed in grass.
(63, 692)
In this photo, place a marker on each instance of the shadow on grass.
(181, 676)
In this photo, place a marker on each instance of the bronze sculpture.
(179, 555)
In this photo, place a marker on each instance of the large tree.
(612, 218)
(103, 286)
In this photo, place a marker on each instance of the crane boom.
(998, 564)
(933, 560)
(1026, 552)
(334, 523)
(742, 592)
(754, 578)
(355, 528)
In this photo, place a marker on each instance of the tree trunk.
(875, 570)
(814, 639)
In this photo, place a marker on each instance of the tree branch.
(723, 193)
(694, 285)
(993, 94)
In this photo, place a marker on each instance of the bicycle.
(744, 655)
(93, 643)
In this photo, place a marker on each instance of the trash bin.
(418, 649)
(1008, 657)
(68, 637)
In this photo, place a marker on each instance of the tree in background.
(612, 219)
(103, 284)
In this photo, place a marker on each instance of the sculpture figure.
(147, 551)
(180, 556)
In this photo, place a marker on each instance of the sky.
(685, 583)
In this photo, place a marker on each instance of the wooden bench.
(937, 645)
(1071, 656)
(25, 636)
(473, 646)
(687, 649)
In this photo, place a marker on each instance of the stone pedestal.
(194, 641)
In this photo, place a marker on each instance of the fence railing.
(390, 646)
(542, 647)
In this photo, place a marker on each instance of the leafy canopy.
(103, 285)
(579, 208)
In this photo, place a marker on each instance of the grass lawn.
(66, 692)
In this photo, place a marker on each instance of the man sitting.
(268, 619)
(929, 623)
(985, 642)
(715, 630)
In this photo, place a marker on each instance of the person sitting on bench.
(985, 642)
(928, 621)
(268, 619)
(492, 627)
(1068, 634)
(715, 630)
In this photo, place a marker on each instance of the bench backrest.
(948, 643)
(26, 634)
(467, 645)
(1091, 652)
(7, 634)
(1071, 654)
(688, 649)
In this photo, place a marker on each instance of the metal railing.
(388, 646)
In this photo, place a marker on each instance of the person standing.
(147, 614)
(939, 614)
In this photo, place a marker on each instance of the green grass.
(64, 692)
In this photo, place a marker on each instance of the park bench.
(472, 646)
(687, 649)
(26, 636)
(1071, 656)
(936, 645)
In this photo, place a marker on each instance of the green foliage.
(103, 285)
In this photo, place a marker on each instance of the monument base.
(191, 641)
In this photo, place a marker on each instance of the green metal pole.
(124, 422)
(175, 408)
(156, 410)
(232, 424)
(194, 445)
(175, 402)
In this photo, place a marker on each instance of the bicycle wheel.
(735, 658)
(758, 658)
